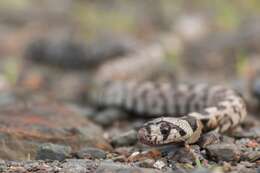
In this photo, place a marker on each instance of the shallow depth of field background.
(51, 49)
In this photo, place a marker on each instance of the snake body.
(182, 112)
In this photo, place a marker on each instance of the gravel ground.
(47, 123)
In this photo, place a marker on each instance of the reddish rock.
(25, 125)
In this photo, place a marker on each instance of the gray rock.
(125, 139)
(52, 152)
(209, 138)
(91, 153)
(223, 152)
(108, 116)
(79, 166)
(252, 156)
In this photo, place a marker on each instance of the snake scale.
(182, 112)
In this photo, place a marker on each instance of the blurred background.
(57, 49)
(54, 46)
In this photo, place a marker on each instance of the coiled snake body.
(185, 111)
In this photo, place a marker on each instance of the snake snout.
(143, 135)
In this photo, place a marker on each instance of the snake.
(180, 113)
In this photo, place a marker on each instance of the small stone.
(252, 144)
(209, 138)
(126, 139)
(223, 152)
(18, 169)
(159, 164)
(252, 156)
(91, 153)
(227, 167)
(78, 166)
(138, 156)
(120, 159)
(109, 116)
(185, 155)
(147, 163)
(53, 152)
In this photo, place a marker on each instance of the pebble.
(78, 166)
(209, 138)
(126, 139)
(109, 116)
(223, 152)
(120, 159)
(147, 163)
(91, 153)
(52, 152)
(184, 155)
(252, 156)
(159, 164)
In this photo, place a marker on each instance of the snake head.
(169, 130)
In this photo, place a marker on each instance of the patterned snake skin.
(185, 111)
(189, 108)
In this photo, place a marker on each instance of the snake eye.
(165, 131)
